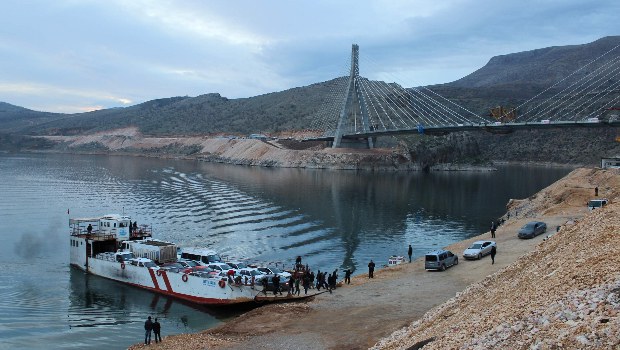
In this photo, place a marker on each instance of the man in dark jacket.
(371, 269)
(148, 327)
(276, 285)
(410, 252)
(493, 252)
(157, 331)
(347, 276)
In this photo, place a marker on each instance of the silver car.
(440, 260)
(479, 249)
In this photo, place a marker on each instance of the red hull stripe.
(155, 283)
(199, 300)
(166, 281)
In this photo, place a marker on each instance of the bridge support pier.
(353, 103)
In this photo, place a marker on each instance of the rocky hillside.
(565, 294)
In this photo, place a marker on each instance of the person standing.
(493, 228)
(157, 331)
(347, 276)
(306, 284)
(89, 229)
(371, 269)
(410, 252)
(148, 328)
(493, 252)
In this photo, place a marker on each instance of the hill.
(506, 80)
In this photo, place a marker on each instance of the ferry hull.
(206, 291)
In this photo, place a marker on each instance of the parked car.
(440, 260)
(479, 249)
(597, 203)
(532, 229)
(275, 270)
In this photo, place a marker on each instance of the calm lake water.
(334, 219)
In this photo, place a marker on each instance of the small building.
(610, 163)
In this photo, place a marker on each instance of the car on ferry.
(176, 267)
(143, 262)
(221, 267)
(440, 260)
(250, 272)
(202, 256)
(274, 271)
(479, 249)
(237, 265)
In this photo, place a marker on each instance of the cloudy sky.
(80, 55)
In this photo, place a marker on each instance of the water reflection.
(334, 219)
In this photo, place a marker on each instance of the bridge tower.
(352, 106)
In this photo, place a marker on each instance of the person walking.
(493, 252)
(157, 331)
(347, 276)
(410, 252)
(276, 285)
(493, 228)
(371, 269)
(148, 328)
(297, 285)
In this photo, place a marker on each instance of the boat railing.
(94, 235)
(142, 231)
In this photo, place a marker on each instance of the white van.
(597, 203)
(202, 256)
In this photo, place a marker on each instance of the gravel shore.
(528, 296)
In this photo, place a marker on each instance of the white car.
(275, 271)
(479, 249)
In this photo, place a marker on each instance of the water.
(334, 219)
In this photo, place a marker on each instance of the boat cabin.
(92, 236)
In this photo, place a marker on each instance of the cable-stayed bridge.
(360, 109)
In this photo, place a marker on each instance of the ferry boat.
(114, 247)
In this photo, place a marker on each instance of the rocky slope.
(239, 151)
(565, 294)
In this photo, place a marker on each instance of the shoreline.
(360, 315)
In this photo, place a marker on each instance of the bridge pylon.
(353, 105)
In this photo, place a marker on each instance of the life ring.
(123, 265)
(158, 272)
(221, 283)
(184, 278)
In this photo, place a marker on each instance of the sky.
(71, 56)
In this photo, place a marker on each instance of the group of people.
(150, 326)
